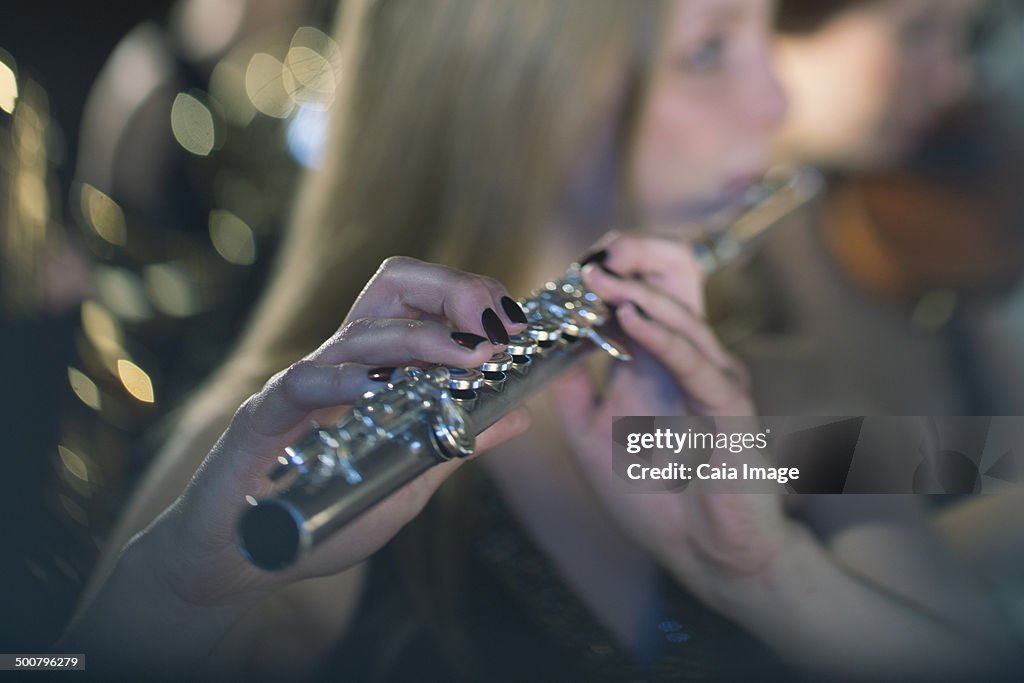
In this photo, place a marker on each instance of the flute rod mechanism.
(424, 417)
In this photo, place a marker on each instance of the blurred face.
(703, 139)
(865, 88)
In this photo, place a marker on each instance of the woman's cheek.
(675, 164)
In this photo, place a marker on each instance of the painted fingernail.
(496, 332)
(380, 374)
(467, 340)
(594, 257)
(513, 310)
(643, 314)
(598, 258)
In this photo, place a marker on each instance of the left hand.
(679, 368)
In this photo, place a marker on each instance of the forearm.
(137, 623)
(825, 620)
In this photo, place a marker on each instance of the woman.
(505, 138)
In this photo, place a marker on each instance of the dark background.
(62, 45)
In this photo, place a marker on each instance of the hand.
(657, 287)
(405, 314)
(679, 368)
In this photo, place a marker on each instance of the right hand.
(405, 314)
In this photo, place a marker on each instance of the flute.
(423, 417)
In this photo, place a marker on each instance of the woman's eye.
(708, 56)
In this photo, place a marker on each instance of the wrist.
(755, 598)
(191, 578)
(139, 622)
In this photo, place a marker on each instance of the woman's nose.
(768, 103)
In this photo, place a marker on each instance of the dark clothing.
(522, 623)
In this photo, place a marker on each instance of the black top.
(517, 621)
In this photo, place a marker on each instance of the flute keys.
(499, 362)
(611, 348)
(545, 335)
(451, 431)
(496, 370)
(521, 347)
(460, 379)
(463, 385)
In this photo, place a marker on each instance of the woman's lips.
(732, 195)
(742, 184)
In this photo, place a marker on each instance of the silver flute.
(423, 417)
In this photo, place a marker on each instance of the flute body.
(423, 417)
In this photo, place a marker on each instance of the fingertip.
(628, 313)
(514, 314)
(521, 420)
(594, 277)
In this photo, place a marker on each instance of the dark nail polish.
(467, 340)
(597, 257)
(380, 374)
(495, 330)
(643, 314)
(513, 310)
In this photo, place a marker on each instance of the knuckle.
(247, 408)
(294, 377)
(471, 292)
(687, 359)
(470, 281)
(493, 285)
(415, 339)
(619, 247)
(353, 328)
(480, 288)
(395, 263)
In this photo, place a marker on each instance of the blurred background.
(148, 158)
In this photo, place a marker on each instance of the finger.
(658, 305)
(406, 288)
(512, 313)
(709, 386)
(667, 264)
(277, 415)
(289, 397)
(575, 398)
(408, 501)
(512, 425)
(393, 341)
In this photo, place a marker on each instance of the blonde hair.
(456, 131)
(454, 136)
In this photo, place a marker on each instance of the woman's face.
(865, 88)
(714, 103)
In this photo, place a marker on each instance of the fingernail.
(513, 310)
(639, 309)
(380, 374)
(467, 340)
(596, 257)
(496, 332)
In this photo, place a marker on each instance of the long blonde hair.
(457, 127)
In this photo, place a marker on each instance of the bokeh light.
(135, 380)
(193, 124)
